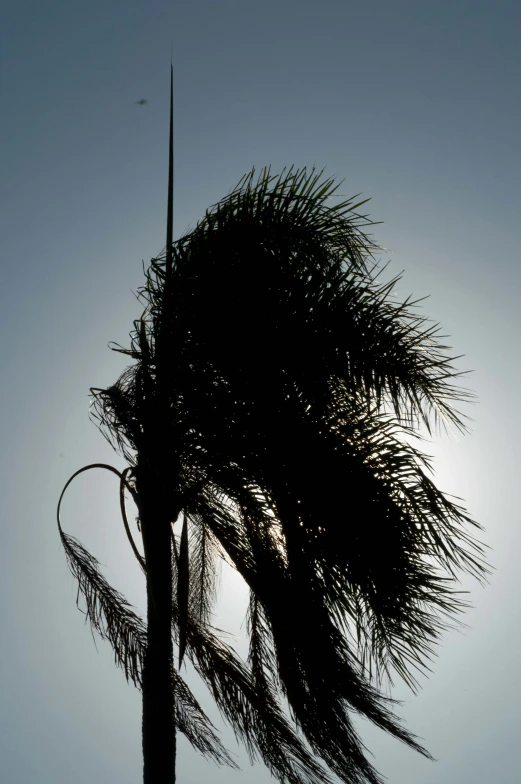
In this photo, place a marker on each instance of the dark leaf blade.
(107, 610)
(253, 713)
(321, 699)
(203, 571)
(115, 620)
(183, 588)
(191, 720)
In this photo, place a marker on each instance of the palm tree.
(273, 411)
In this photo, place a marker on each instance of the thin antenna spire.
(170, 209)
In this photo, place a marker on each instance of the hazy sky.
(415, 104)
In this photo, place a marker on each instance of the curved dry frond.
(123, 485)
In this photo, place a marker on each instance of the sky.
(414, 104)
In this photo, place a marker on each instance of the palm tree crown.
(275, 397)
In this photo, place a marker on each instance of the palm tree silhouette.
(271, 411)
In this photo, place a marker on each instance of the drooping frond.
(253, 712)
(396, 579)
(183, 588)
(320, 697)
(374, 534)
(195, 725)
(107, 610)
(261, 655)
(114, 620)
(203, 575)
(251, 709)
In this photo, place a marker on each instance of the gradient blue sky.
(415, 104)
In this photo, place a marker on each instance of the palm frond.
(261, 654)
(386, 351)
(321, 679)
(114, 620)
(192, 721)
(183, 588)
(253, 712)
(107, 610)
(203, 572)
(320, 697)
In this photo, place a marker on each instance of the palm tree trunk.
(159, 741)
